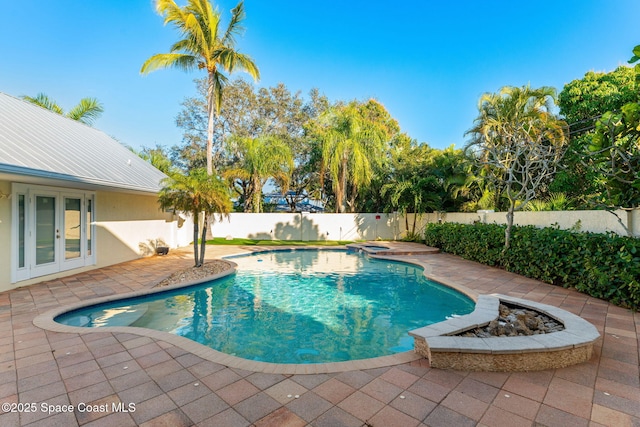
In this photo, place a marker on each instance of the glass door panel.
(45, 230)
(21, 231)
(89, 226)
(72, 228)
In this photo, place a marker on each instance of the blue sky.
(428, 62)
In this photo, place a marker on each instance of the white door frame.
(30, 268)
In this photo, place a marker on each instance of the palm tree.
(203, 46)
(87, 110)
(261, 158)
(413, 194)
(350, 147)
(195, 193)
(519, 142)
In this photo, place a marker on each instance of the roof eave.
(28, 175)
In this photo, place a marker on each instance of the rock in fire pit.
(516, 321)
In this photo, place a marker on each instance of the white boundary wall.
(371, 226)
(309, 226)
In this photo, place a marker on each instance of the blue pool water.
(304, 306)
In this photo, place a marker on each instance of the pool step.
(393, 248)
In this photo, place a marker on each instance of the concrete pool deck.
(169, 385)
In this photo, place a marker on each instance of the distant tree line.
(354, 157)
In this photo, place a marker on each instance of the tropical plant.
(259, 159)
(616, 144)
(196, 193)
(422, 180)
(519, 142)
(414, 194)
(87, 111)
(351, 144)
(582, 102)
(479, 192)
(554, 202)
(605, 266)
(636, 56)
(158, 158)
(616, 150)
(204, 46)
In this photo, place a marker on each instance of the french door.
(53, 230)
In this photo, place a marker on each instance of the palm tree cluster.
(260, 158)
(350, 146)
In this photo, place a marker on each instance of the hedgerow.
(605, 266)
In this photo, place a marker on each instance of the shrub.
(605, 266)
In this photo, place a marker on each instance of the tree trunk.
(507, 231)
(211, 114)
(257, 195)
(203, 241)
(196, 235)
(413, 227)
(343, 185)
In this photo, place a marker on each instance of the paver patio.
(101, 373)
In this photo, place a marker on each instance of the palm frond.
(169, 60)
(236, 173)
(209, 21)
(219, 81)
(87, 110)
(232, 60)
(197, 35)
(234, 28)
(44, 101)
(170, 10)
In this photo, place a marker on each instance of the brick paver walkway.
(100, 374)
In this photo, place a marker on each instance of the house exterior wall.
(127, 226)
(130, 226)
(5, 234)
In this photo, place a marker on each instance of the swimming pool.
(303, 306)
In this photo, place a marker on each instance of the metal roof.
(37, 143)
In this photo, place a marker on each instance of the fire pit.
(514, 338)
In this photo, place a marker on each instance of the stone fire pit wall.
(444, 350)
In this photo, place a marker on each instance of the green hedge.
(605, 266)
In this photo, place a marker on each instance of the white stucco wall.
(307, 226)
(592, 221)
(130, 226)
(5, 234)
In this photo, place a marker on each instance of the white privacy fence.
(371, 226)
(309, 226)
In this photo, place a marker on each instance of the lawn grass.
(252, 242)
